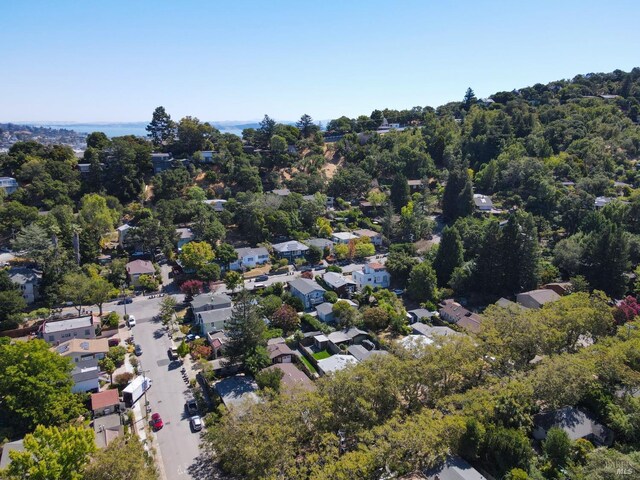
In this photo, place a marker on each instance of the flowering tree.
(192, 287)
(627, 310)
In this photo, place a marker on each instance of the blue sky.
(117, 60)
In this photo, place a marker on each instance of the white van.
(131, 321)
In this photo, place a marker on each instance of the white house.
(212, 320)
(343, 237)
(123, 231)
(8, 184)
(373, 274)
(216, 203)
(290, 250)
(28, 281)
(250, 257)
(207, 156)
(335, 363)
(482, 202)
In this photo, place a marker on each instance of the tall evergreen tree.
(161, 128)
(469, 99)
(265, 132)
(520, 253)
(449, 256)
(306, 126)
(606, 258)
(245, 330)
(488, 270)
(457, 200)
(399, 192)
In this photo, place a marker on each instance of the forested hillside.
(477, 200)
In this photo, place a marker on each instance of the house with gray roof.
(209, 301)
(320, 243)
(482, 202)
(344, 286)
(418, 314)
(27, 280)
(185, 235)
(8, 184)
(431, 332)
(576, 423)
(290, 250)
(375, 237)
(63, 330)
(308, 291)
(537, 298)
(5, 459)
(343, 237)
(236, 391)
(212, 320)
(325, 312)
(335, 363)
(250, 258)
(361, 354)
(453, 468)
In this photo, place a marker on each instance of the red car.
(156, 422)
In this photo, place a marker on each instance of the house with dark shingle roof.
(280, 353)
(341, 284)
(576, 423)
(537, 298)
(308, 291)
(453, 468)
(250, 258)
(290, 250)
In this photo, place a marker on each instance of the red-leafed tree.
(192, 287)
(285, 318)
(627, 310)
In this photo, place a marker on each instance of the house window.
(87, 332)
(51, 338)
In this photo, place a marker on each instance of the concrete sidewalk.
(148, 438)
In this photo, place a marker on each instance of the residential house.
(217, 204)
(8, 184)
(280, 353)
(105, 402)
(412, 342)
(373, 274)
(292, 378)
(107, 429)
(452, 312)
(123, 231)
(250, 258)
(537, 298)
(453, 468)
(483, 202)
(217, 341)
(348, 336)
(84, 352)
(161, 162)
(325, 312)
(361, 354)
(208, 301)
(419, 314)
(506, 303)
(415, 185)
(84, 168)
(602, 201)
(329, 203)
(236, 391)
(290, 250)
(343, 286)
(212, 320)
(64, 330)
(321, 243)
(343, 237)
(375, 237)
(281, 192)
(185, 235)
(5, 459)
(561, 288)
(335, 363)
(137, 268)
(28, 281)
(308, 291)
(576, 423)
(207, 156)
(431, 332)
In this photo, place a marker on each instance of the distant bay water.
(136, 128)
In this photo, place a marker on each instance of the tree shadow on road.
(204, 468)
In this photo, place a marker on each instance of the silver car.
(196, 423)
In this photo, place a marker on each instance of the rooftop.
(365, 232)
(337, 280)
(361, 354)
(344, 235)
(23, 275)
(236, 390)
(252, 252)
(185, 233)
(69, 324)
(540, 296)
(292, 376)
(482, 201)
(104, 399)
(203, 299)
(454, 468)
(277, 349)
(290, 246)
(336, 363)
(140, 267)
(80, 345)
(429, 331)
(376, 266)
(305, 285)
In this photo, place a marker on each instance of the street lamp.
(124, 299)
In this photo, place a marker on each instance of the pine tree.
(457, 200)
(488, 271)
(306, 126)
(399, 192)
(469, 99)
(520, 253)
(161, 129)
(244, 330)
(606, 258)
(449, 256)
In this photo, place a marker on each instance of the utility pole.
(146, 387)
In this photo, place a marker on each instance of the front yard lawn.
(321, 354)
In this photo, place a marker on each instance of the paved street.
(179, 447)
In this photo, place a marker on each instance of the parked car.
(173, 354)
(191, 407)
(196, 423)
(137, 350)
(398, 291)
(261, 278)
(156, 422)
(131, 321)
(114, 341)
(126, 301)
(191, 337)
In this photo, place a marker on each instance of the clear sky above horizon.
(117, 60)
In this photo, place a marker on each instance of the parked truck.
(132, 393)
